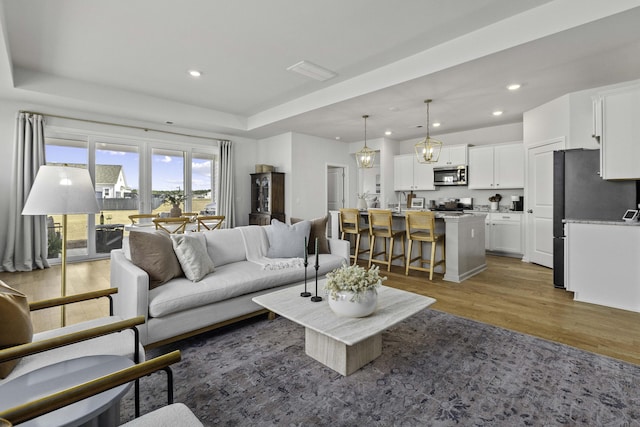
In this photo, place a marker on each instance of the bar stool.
(381, 225)
(350, 224)
(421, 227)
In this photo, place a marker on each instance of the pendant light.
(428, 150)
(365, 157)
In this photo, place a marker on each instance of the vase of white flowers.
(352, 290)
(174, 199)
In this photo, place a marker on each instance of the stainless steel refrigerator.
(580, 193)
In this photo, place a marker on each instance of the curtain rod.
(98, 122)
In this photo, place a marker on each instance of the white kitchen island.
(602, 262)
(464, 242)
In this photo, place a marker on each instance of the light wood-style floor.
(510, 294)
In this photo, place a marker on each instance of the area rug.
(436, 369)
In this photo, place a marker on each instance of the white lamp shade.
(61, 190)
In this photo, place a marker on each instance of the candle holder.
(316, 298)
(305, 293)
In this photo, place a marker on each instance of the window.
(130, 176)
(71, 152)
(167, 177)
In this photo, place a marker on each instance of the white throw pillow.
(287, 241)
(191, 251)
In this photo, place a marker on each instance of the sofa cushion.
(287, 241)
(225, 246)
(153, 252)
(231, 280)
(191, 251)
(319, 230)
(15, 323)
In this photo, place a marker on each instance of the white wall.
(311, 156)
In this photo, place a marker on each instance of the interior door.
(335, 194)
(539, 202)
(335, 188)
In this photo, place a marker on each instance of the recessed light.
(514, 86)
(388, 132)
(337, 138)
(497, 113)
(436, 125)
(195, 73)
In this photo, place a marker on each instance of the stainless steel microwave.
(450, 175)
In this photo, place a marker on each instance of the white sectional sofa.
(181, 307)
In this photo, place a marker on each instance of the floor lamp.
(62, 190)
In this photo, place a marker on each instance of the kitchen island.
(464, 241)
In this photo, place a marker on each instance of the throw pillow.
(319, 230)
(191, 251)
(15, 323)
(287, 241)
(153, 252)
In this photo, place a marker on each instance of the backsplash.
(480, 197)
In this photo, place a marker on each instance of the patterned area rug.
(436, 369)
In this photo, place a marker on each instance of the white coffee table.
(344, 344)
(100, 410)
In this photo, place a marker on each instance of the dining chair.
(210, 222)
(136, 219)
(172, 225)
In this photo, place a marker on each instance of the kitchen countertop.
(600, 222)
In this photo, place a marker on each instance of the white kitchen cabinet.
(617, 128)
(496, 166)
(409, 175)
(504, 232)
(480, 174)
(453, 155)
(610, 275)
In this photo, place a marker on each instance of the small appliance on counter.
(517, 203)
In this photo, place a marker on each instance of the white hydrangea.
(353, 278)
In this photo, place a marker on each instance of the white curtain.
(26, 245)
(226, 201)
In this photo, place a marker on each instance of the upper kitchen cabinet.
(617, 128)
(496, 166)
(453, 155)
(409, 175)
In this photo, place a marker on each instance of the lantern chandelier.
(428, 150)
(365, 157)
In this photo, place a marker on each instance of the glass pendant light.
(366, 156)
(428, 150)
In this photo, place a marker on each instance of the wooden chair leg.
(355, 255)
(433, 258)
(408, 257)
(390, 253)
(372, 245)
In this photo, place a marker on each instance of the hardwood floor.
(510, 294)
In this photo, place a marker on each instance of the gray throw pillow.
(287, 241)
(191, 250)
(319, 230)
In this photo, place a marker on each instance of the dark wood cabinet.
(267, 198)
